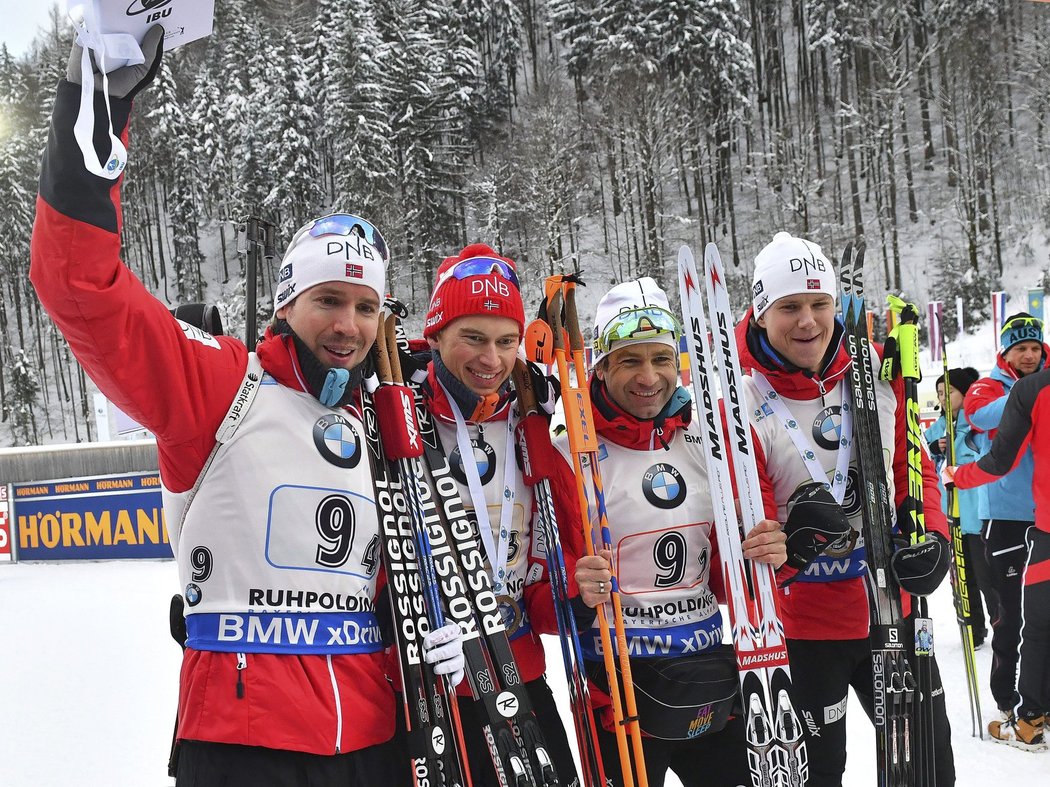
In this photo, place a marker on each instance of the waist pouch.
(682, 697)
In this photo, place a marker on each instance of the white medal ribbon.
(495, 550)
(802, 444)
(120, 46)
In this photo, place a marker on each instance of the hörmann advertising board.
(97, 518)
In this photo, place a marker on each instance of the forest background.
(571, 135)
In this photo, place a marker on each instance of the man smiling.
(474, 328)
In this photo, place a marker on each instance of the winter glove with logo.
(815, 523)
(127, 81)
(920, 567)
(444, 649)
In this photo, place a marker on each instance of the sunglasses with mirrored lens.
(345, 224)
(647, 323)
(481, 266)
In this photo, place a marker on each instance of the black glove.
(920, 567)
(127, 81)
(546, 388)
(815, 523)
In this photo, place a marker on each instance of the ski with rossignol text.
(893, 682)
(777, 754)
(435, 745)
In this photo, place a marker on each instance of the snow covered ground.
(88, 683)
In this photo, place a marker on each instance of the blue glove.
(444, 649)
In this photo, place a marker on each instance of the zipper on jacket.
(338, 705)
(822, 389)
(242, 665)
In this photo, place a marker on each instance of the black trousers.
(979, 584)
(822, 672)
(1033, 674)
(715, 760)
(1007, 555)
(204, 764)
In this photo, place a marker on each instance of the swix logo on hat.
(354, 271)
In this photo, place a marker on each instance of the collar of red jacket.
(439, 405)
(787, 379)
(277, 356)
(620, 427)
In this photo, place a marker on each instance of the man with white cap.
(791, 343)
(664, 547)
(267, 501)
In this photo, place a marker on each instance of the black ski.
(894, 686)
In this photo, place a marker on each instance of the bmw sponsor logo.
(337, 441)
(663, 486)
(193, 594)
(484, 458)
(827, 428)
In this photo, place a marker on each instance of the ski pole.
(583, 444)
(959, 569)
(531, 430)
(907, 352)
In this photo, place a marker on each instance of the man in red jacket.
(791, 342)
(474, 328)
(1025, 425)
(269, 507)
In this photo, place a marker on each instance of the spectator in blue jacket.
(978, 573)
(1010, 509)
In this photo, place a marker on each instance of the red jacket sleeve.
(177, 382)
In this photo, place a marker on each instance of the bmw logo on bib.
(484, 458)
(337, 441)
(827, 428)
(663, 486)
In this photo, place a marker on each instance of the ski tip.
(685, 256)
(711, 255)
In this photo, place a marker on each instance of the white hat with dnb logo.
(311, 260)
(790, 266)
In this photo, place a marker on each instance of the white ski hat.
(640, 307)
(790, 266)
(332, 248)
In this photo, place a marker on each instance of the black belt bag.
(683, 697)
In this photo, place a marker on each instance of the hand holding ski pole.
(594, 578)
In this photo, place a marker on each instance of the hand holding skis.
(594, 577)
(444, 649)
(766, 543)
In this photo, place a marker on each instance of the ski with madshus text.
(777, 754)
(893, 681)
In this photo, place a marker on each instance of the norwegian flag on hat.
(812, 284)
(354, 271)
